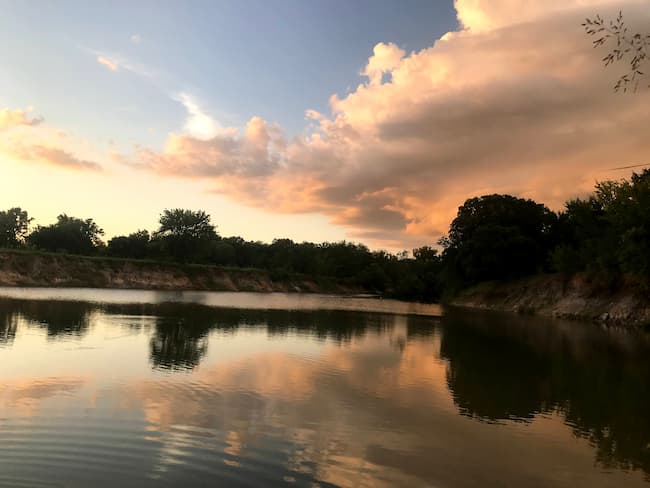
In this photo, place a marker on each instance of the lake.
(110, 388)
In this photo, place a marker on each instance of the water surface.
(132, 388)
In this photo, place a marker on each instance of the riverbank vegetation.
(605, 235)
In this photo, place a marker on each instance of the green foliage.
(609, 232)
(14, 226)
(68, 234)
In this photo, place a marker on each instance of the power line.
(629, 167)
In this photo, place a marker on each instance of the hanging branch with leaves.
(627, 46)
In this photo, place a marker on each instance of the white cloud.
(198, 123)
(385, 58)
(136, 39)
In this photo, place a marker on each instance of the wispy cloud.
(110, 64)
(54, 156)
(198, 123)
(16, 118)
(28, 139)
(118, 62)
(136, 39)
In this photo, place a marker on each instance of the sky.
(369, 121)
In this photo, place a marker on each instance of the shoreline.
(38, 270)
(575, 298)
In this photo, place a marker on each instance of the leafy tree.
(496, 237)
(68, 234)
(14, 226)
(135, 245)
(426, 254)
(608, 232)
(186, 235)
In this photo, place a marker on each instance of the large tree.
(186, 235)
(14, 226)
(496, 237)
(68, 234)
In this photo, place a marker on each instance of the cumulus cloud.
(481, 15)
(517, 102)
(10, 119)
(385, 58)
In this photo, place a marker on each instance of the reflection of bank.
(8, 325)
(511, 368)
(57, 318)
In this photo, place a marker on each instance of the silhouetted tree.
(496, 237)
(186, 235)
(609, 231)
(135, 245)
(68, 234)
(14, 226)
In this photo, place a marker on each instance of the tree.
(186, 235)
(633, 48)
(135, 245)
(426, 254)
(68, 234)
(14, 226)
(608, 233)
(497, 237)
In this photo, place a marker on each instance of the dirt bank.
(41, 269)
(573, 298)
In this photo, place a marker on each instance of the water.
(123, 388)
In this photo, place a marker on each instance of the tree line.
(189, 237)
(493, 237)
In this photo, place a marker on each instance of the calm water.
(124, 388)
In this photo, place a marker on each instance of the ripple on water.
(55, 451)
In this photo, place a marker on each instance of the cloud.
(483, 15)
(54, 156)
(385, 58)
(110, 64)
(198, 123)
(28, 139)
(136, 39)
(116, 62)
(516, 102)
(10, 119)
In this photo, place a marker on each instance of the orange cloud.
(110, 64)
(26, 142)
(517, 102)
(54, 156)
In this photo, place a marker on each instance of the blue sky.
(238, 59)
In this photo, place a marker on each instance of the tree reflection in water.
(504, 367)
